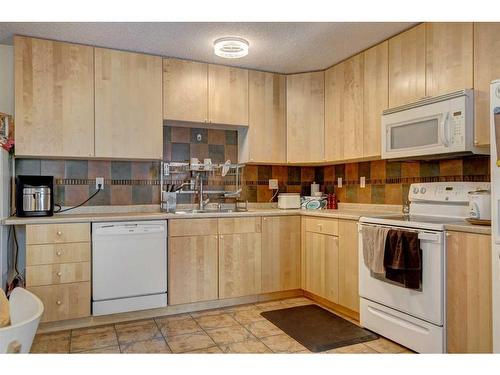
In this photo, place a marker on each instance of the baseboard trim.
(333, 306)
(93, 321)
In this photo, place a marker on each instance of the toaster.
(287, 201)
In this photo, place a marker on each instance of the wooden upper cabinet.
(375, 97)
(128, 105)
(54, 98)
(185, 90)
(344, 100)
(227, 95)
(305, 117)
(486, 69)
(334, 112)
(407, 66)
(449, 57)
(468, 293)
(265, 139)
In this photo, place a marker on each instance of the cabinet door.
(348, 265)
(346, 98)
(334, 113)
(185, 90)
(375, 97)
(227, 95)
(449, 57)
(128, 105)
(486, 69)
(322, 265)
(407, 66)
(305, 117)
(468, 293)
(265, 139)
(54, 98)
(239, 265)
(280, 253)
(192, 269)
(64, 301)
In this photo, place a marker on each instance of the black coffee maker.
(34, 195)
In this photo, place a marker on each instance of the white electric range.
(416, 318)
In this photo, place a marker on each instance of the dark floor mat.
(316, 328)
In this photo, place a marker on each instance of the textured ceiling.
(278, 47)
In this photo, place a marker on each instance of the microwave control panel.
(457, 121)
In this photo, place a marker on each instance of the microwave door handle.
(445, 130)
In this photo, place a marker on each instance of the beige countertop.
(345, 211)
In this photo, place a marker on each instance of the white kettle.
(480, 204)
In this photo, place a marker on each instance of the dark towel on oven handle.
(402, 258)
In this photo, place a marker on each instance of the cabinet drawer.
(57, 233)
(65, 301)
(49, 274)
(325, 226)
(192, 227)
(240, 225)
(57, 253)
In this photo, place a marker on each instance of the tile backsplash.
(387, 182)
(138, 182)
(182, 144)
(125, 182)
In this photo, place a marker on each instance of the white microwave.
(433, 126)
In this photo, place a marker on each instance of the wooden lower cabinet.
(330, 259)
(64, 301)
(192, 269)
(322, 265)
(468, 293)
(280, 253)
(239, 264)
(348, 265)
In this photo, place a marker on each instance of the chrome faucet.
(199, 185)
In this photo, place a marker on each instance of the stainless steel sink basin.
(206, 211)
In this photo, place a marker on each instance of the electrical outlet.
(99, 181)
(339, 182)
(362, 182)
(273, 184)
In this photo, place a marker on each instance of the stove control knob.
(423, 190)
(415, 190)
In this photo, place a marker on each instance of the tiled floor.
(238, 329)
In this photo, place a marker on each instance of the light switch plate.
(339, 182)
(362, 182)
(273, 184)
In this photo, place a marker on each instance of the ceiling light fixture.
(231, 47)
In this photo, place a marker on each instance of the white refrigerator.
(495, 209)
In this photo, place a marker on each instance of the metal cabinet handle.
(59, 232)
(59, 274)
(58, 302)
(58, 253)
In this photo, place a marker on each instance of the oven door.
(426, 303)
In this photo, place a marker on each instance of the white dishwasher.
(129, 266)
